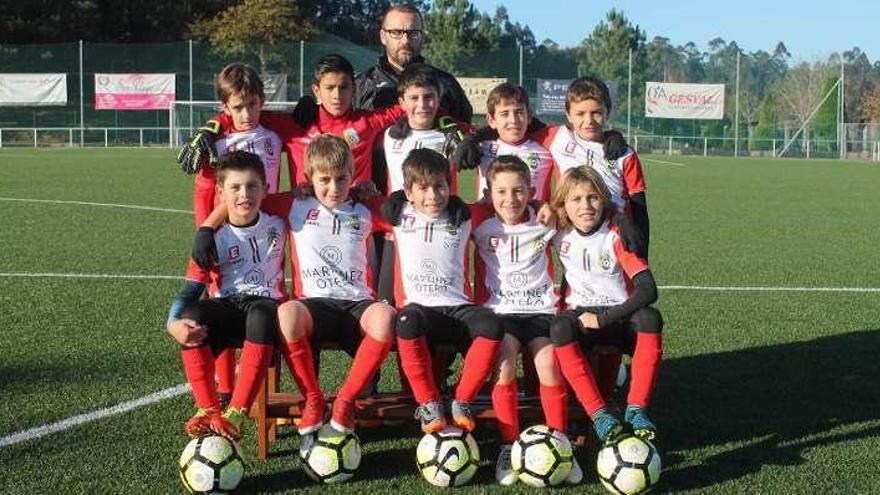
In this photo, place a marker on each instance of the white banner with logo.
(33, 89)
(684, 101)
(477, 89)
(134, 91)
(275, 86)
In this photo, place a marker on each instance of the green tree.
(825, 121)
(256, 26)
(450, 26)
(766, 126)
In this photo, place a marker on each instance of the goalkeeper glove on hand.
(459, 212)
(630, 235)
(392, 208)
(306, 111)
(613, 145)
(452, 135)
(200, 148)
(535, 124)
(204, 250)
(467, 154)
(400, 128)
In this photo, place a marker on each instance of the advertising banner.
(684, 101)
(134, 91)
(477, 89)
(33, 89)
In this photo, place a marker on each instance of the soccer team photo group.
(409, 280)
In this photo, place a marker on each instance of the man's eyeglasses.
(413, 34)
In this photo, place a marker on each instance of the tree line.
(776, 92)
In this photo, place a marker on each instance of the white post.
(81, 105)
(105, 138)
(35, 137)
(70, 137)
(774, 148)
(670, 145)
(629, 94)
(171, 126)
(190, 86)
(636, 143)
(705, 146)
(841, 129)
(141, 135)
(520, 63)
(1, 138)
(736, 112)
(302, 56)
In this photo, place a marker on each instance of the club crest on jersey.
(534, 160)
(271, 238)
(267, 148)
(563, 248)
(517, 280)
(331, 254)
(353, 222)
(570, 148)
(234, 253)
(351, 136)
(408, 223)
(539, 244)
(605, 260)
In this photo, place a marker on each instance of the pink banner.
(134, 91)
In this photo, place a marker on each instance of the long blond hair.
(570, 180)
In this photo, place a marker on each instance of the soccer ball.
(448, 457)
(210, 464)
(629, 466)
(330, 456)
(541, 456)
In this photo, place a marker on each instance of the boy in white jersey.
(243, 310)
(432, 284)
(514, 278)
(240, 91)
(601, 307)
(508, 113)
(330, 237)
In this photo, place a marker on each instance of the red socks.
(301, 362)
(224, 366)
(198, 366)
(504, 401)
(369, 357)
(577, 372)
(415, 358)
(645, 365)
(554, 402)
(478, 363)
(255, 359)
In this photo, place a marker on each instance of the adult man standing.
(402, 34)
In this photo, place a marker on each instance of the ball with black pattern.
(541, 456)
(629, 466)
(330, 456)
(210, 464)
(448, 457)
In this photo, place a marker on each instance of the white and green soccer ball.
(629, 466)
(330, 456)
(541, 456)
(448, 457)
(210, 464)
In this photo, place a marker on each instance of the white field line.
(663, 162)
(66, 424)
(89, 203)
(728, 288)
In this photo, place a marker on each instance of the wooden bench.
(380, 409)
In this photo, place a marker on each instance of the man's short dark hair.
(405, 8)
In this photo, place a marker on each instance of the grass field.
(762, 391)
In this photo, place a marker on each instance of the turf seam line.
(66, 424)
(663, 162)
(89, 203)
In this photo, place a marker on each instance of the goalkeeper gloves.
(306, 111)
(614, 145)
(630, 235)
(199, 149)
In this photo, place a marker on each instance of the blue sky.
(810, 29)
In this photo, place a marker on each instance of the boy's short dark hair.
(238, 78)
(329, 154)
(240, 161)
(588, 88)
(507, 91)
(418, 75)
(332, 63)
(509, 163)
(423, 164)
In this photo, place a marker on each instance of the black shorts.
(336, 320)
(232, 320)
(455, 325)
(526, 327)
(621, 335)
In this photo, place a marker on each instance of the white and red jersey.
(536, 156)
(329, 248)
(251, 259)
(623, 176)
(513, 267)
(396, 151)
(431, 260)
(597, 267)
(260, 141)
